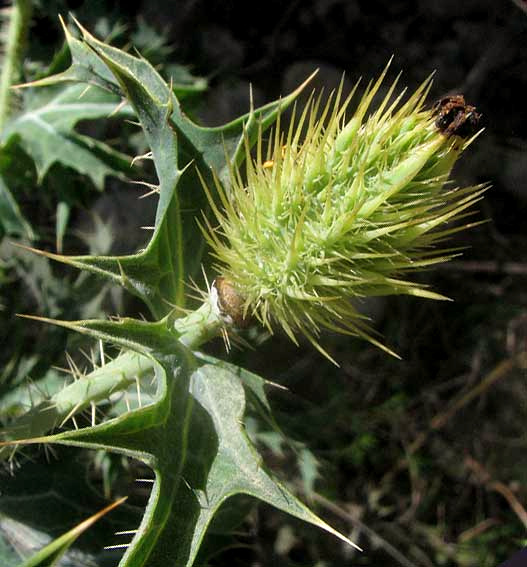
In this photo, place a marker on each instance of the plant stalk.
(199, 326)
(19, 15)
(195, 329)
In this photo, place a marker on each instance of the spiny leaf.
(208, 145)
(138, 339)
(158, 273)
(45, 130)
(192, 436)
(88, 68)
(133, 334)
(194, 440)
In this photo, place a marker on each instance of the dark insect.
(455, 117)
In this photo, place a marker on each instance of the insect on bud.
(455, 117)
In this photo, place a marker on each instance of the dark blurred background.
(422, 460)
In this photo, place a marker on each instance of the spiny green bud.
(342, 208)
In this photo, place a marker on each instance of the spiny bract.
(339, 209)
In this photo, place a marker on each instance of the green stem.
(199, 327)
(194, 330)
(19, 17)
(115, 376)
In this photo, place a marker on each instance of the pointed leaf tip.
(51, 554)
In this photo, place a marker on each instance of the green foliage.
(158, 274)
(13, 221)
(44, 128)
(184, 420)
(45, 131)
(191, 433)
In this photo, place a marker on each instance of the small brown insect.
(455, 117)
(230, 302)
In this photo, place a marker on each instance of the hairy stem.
(194, 330)
(200, 326)
(19, 16)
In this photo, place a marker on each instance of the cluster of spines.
(338, 209)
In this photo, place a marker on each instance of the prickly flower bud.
(341, 208)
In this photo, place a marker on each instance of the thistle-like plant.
(337, 209)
